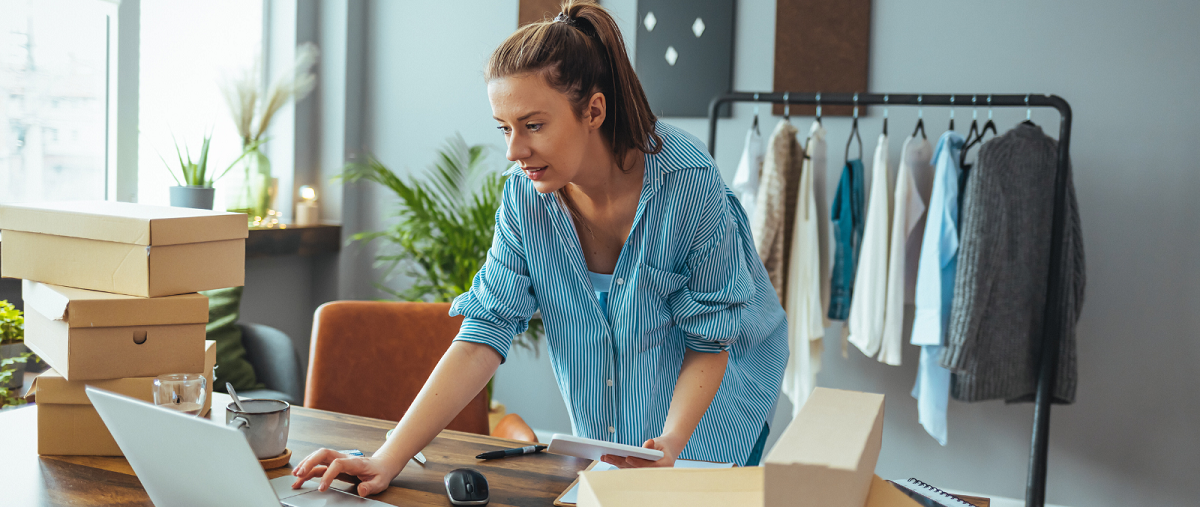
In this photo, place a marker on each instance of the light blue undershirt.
(600, 284)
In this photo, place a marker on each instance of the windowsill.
(293, 240)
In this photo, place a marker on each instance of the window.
(54, 76)
(61, 126)
(187, 50)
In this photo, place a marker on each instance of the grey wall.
(1126, 67)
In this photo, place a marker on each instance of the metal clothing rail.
(1052, 326)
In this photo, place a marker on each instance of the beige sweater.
(771, 224)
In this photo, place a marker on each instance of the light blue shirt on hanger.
(936, 269)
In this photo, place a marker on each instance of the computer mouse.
(466, 486)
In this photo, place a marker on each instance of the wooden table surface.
(32, 480)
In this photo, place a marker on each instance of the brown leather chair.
(513, 427)
(371, 358)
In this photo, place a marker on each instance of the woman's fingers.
(665, 461)
(375, 485)
(639, 462)
(338, 466)
(319, 457)
(616, 461)
(316, 471)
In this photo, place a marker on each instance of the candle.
(307, 212)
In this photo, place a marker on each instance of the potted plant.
(13, 353)
(195, 189)
(445, 226)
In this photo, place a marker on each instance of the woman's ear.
(596, 110)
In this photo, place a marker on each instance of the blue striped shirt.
(688, 277)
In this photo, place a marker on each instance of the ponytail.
(581, 52)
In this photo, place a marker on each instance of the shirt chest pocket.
(656, 287)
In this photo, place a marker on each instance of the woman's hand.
(376, 473)
(665, 443)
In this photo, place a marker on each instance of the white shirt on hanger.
(913, 180)
(805, 311)
(865, 323)
(745, 180)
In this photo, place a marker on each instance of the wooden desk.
(35, 480)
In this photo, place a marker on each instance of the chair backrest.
(371, 358)
(513, 427)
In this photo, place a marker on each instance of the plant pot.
(192, 197)
(14, 350)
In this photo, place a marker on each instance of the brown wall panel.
(821, 46)
(530, 11)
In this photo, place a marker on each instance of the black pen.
(529, 449)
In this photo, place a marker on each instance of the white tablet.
(592, 449)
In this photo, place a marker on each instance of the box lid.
(123, 222)
(884, 494)
(834, 429)
(89, 308)
(50, 387)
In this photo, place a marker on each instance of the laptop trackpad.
(329, 498)
(308, 496)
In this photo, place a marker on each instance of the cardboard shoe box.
(69, 425)
(89, 335)
(124, 248)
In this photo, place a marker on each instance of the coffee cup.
(264, 423)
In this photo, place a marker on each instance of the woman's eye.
(503, 129)
(534, 126)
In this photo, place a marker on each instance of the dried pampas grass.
(252, 116)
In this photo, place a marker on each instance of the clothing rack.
(1035, 491)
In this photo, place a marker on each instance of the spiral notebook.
(930, 496)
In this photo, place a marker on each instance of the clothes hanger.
(951, 111)
(973, 134)
(854, 132)
(1028, 111)
(755, 124)
(990, 125)
(885, 113)
(787, 108)
(920, 119)
(819, 109)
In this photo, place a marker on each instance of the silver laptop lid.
(183, 460)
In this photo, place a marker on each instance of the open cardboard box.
(69, 425)
(825, 457)
(124, 248)
(90, 335)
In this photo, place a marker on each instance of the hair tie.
(563, 18)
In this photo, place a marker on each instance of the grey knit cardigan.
(994, 339)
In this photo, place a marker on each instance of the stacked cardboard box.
(111, 301)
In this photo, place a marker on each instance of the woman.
(661, 324)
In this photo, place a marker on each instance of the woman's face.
(542, 131)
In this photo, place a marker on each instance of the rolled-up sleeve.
(709, 307)
(500, 302)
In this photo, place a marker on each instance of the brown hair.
(581, 52)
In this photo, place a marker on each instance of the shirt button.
(609, 382)
(612, 429)
(620, 281)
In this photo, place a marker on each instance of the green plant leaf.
(202, 164)
(445, 222)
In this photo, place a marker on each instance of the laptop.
(184, 460)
